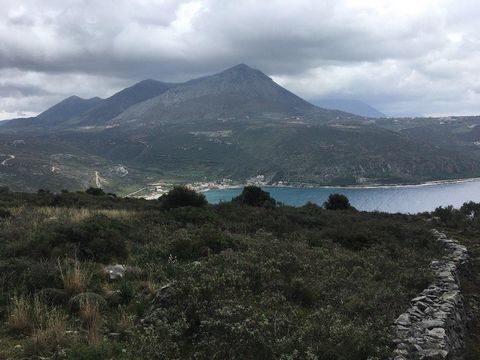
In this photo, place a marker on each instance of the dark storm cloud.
(394, 54)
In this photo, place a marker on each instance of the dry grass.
(75, 276)
(91, 320)
(38, 215)
(124, 323)
(76, 215)
(26, 314)
(150, 287)
(51, 336)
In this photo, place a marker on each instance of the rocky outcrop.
(434, 326)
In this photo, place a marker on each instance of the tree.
(255, 196)
(337, 202)
(95, 191)
(181, 196)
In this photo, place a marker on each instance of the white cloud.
(410, 55)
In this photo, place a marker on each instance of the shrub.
(4, 213)
(450, 216)
(99, 351)
(42, 274)
(300, 293)
(97, 238)
(337, 202)
(95, 191)
(351, 237)
(127, 292)
(205, 241)
(52, 296)
(471, 210)
(255, 196)
(181, 196)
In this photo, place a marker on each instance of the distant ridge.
(356, 107)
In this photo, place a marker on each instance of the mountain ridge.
(235, 124)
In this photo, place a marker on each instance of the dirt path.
(4, 162)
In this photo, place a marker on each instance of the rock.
(438, 333)
(434, 354)
(115, 272)
(429, 324)
(403, 319)
(77, 301)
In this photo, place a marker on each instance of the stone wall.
(434, 326)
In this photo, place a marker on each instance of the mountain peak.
(242, 74)
(241, 67)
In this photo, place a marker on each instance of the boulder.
(115, 272)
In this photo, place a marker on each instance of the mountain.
(235, 124)
(356, 107)
(119, 102)
(58, 113)
(67, 108)
(75, 111)
(235, 93)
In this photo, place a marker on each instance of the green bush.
(97, 238)
(203, 242)
(95, 191)
(255, 196)
(181, 196)
(4, 213)
(52, 296)
(102, 351)
(337, 202)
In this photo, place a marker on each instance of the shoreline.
(352, 187)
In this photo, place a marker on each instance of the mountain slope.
(67, 109)
(234, 93)
(350, 106)
(117, 103)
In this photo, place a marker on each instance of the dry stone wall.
(434, 326)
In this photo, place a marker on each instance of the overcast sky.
(404, 56)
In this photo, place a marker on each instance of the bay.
(404, 199)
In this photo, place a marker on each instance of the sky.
(402, 57)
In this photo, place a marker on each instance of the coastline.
(352, 187)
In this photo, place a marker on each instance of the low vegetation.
(249, 279)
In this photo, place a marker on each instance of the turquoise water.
(404, 199)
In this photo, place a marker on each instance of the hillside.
(241, 281)
(235, 124)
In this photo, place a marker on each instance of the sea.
(392, 199)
